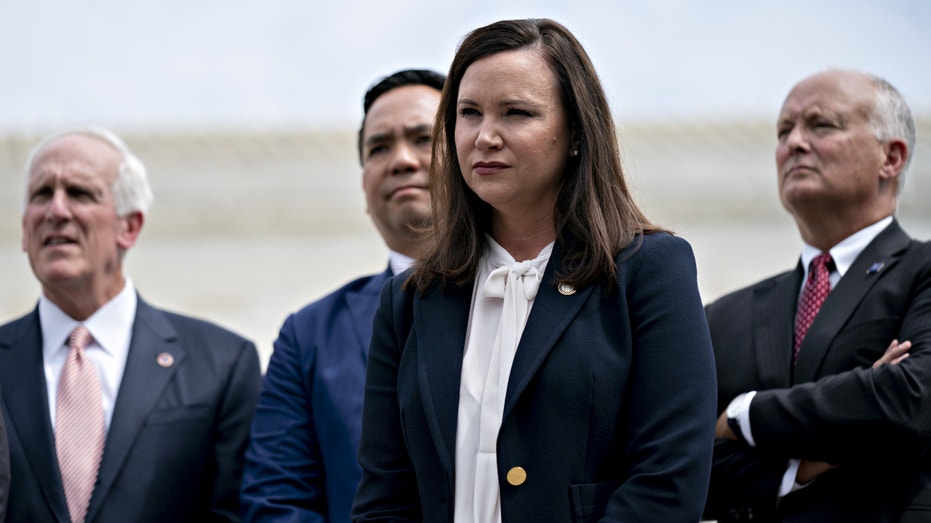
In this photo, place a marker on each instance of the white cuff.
(788, 479)
(739, 409)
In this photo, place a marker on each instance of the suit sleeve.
(835, 418)
(231, 433)
(388, 489)
(672, 388)
(741, 477)
(284, 478)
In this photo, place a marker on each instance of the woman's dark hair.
(595, 215)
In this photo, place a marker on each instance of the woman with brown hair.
(548, 359)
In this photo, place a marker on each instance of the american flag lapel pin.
(875, 268)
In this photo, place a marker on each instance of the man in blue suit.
(147, 418)
(301, 463)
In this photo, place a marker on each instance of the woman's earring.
(575, 152)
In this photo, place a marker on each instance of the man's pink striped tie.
(79, 425)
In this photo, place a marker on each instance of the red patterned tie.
(79, 425)
(816, 290)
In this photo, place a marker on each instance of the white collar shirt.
(111, 330)
(398, 262)
(845, 252)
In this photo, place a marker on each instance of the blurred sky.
(207, 64)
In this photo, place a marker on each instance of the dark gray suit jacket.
(833, 406)
(174, 451)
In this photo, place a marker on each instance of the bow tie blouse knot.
(523, 278)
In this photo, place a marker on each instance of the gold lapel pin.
(565, 289)
(165, 360)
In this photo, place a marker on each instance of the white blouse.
(501, 300)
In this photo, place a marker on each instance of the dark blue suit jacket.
(833, 407)
(175, 445)
(301, 464)
(610, 407)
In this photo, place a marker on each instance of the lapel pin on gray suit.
(875, 268)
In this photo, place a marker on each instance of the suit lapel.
(143, 382)
(773, 319)
(26, 400)
(551, 314)
(883, 252)
(362, 305)
(440, 318)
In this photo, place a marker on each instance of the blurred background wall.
(245, 114)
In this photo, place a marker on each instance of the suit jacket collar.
(440, 320)
(26, 401)
(144, 380)
(362, 304)
(773, 328)
(550, 316)
(879, 256)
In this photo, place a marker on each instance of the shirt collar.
(110, 326)
(398, 262)
(498, 256)
(845, 252)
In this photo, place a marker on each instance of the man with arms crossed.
(814, 425)
(301, 464)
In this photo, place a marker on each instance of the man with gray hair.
(819, 420)
(115, 411)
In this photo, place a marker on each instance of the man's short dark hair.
(393, 81)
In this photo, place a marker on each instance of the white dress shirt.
(502, 297)
(111, 329)
(398, 262)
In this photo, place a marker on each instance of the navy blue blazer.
(610, 406)
(833, 407)
(301, 463)
(175, 447)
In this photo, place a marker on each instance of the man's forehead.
(78, 146)
(403, 107)
(85, 155)
(396, 130)
(830, 91)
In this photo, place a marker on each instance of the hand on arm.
(723, 430)
(809, 470)
(895, 353)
